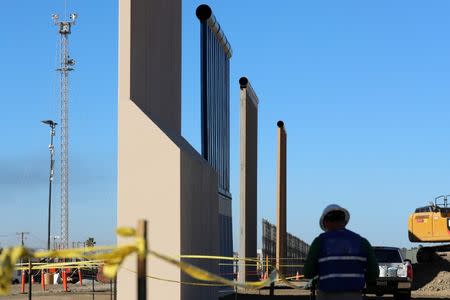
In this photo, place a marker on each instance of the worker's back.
(342, 261)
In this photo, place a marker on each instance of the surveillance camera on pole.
(66, 64)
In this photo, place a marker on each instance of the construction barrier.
(80, 277)
(112, 257)
(22, 288)
(43, 280)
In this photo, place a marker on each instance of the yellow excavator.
(430, 224)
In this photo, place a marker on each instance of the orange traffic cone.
(64, 278)
(22, 289)
(80, 277)
(43, 280)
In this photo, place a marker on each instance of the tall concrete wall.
(248, 178)
(161, 178)
(155, 59)
(148, 188)
(199, 220)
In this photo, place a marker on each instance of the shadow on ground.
(301, 297)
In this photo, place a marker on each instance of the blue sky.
(362, 87)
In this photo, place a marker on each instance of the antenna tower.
(65, 66)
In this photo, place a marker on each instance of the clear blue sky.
(362, 87)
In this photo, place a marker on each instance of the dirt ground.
(304, 295)
(434, 276)
(431, 281)
(307, 297)
(101, 292)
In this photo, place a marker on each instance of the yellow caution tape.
(8, 259)
(126, 231)
(254, 265)
(218, 257)
(204, 275)
(177, 281)
(288, 283)
(71, 265)
(112, 257)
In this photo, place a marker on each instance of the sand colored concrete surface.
(248, 178)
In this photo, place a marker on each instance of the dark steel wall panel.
(215, 115)
(215, 105)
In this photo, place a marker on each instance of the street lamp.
(50, 179)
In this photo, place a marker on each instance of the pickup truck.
(396, 274)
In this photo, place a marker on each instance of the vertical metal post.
(115, 288)
(30, 284)
(50, 179)
(93, 284)
(142, 262)
(281, 196)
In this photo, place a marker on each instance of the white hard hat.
(330, 208)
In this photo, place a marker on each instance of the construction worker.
(341, 261)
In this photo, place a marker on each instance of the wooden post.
(267, 265)
(142, 262)
(115, 288)
(30, 284)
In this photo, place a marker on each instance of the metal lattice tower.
(65, 66)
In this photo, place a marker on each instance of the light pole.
(50, 179)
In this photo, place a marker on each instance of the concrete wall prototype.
(155, 59)
(248, 178)
(199, 220)
(148, 189)
(161, 178)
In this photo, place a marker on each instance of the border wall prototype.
(161, 178)
(297, 249)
